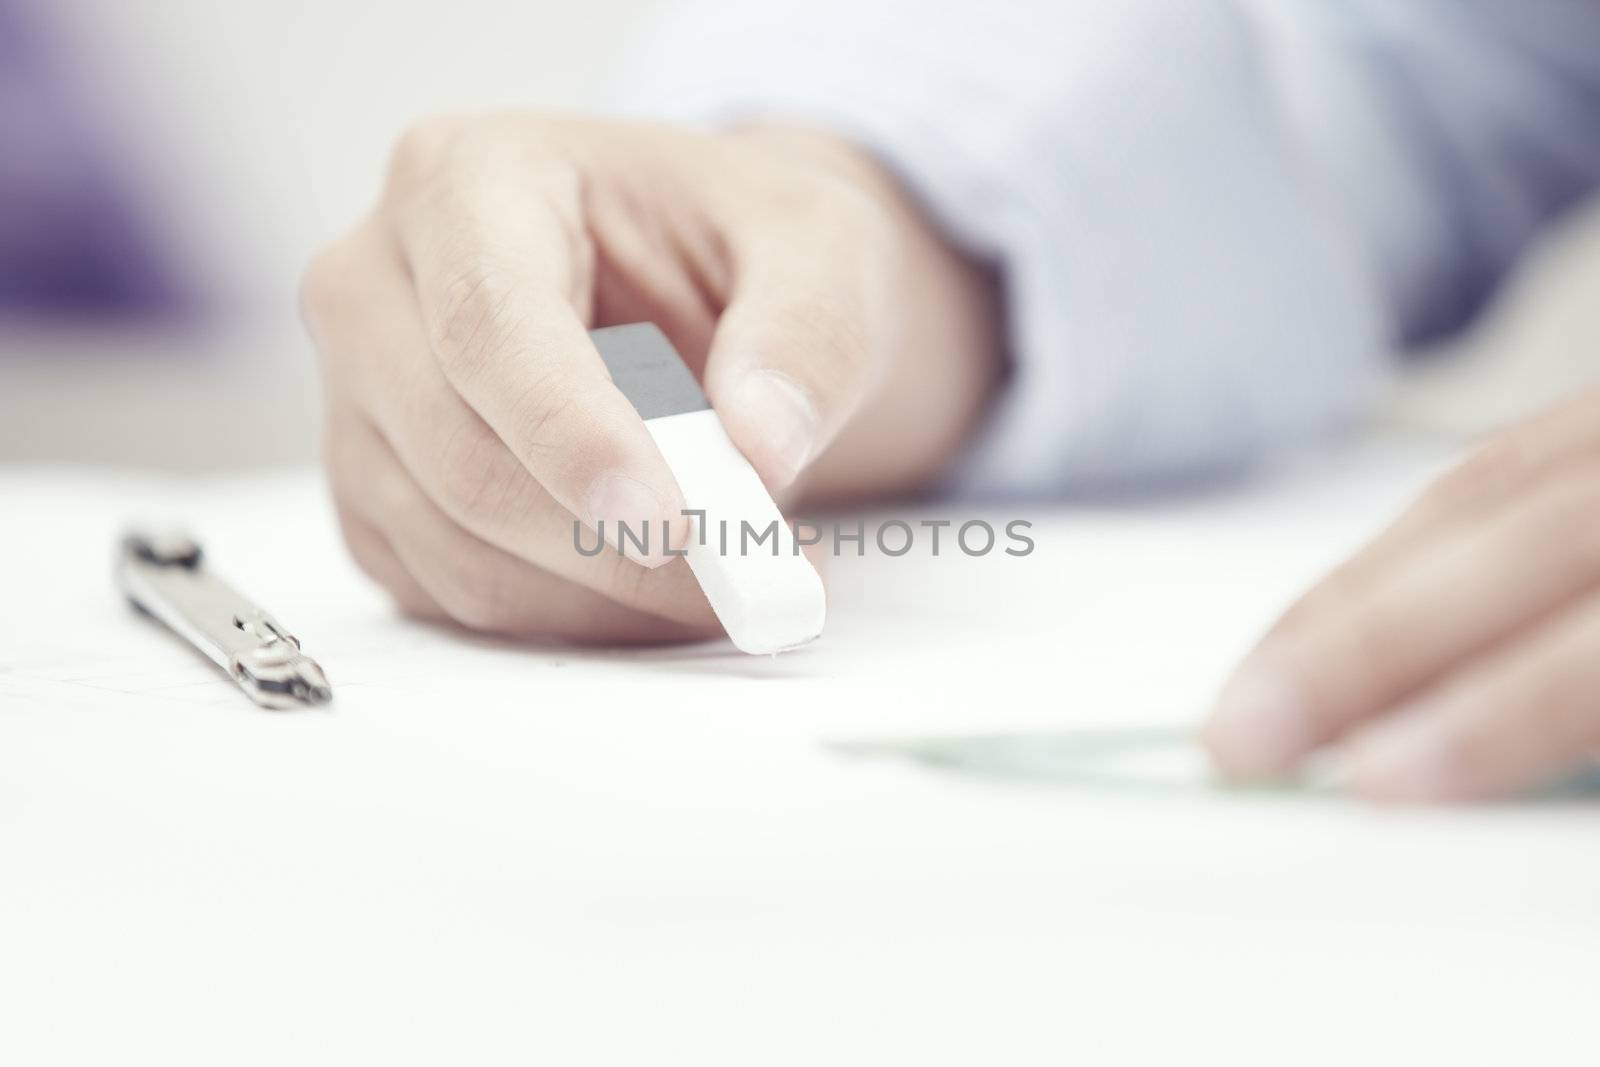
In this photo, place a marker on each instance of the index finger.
(502, 269)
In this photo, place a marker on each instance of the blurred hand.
(843, 344)
(1458, 655)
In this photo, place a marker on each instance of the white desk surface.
(488, 854)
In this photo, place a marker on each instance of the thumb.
(792, 357)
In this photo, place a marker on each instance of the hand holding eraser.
(763, 589)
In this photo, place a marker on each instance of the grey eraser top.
(648, 370)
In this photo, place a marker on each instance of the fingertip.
(774, 421)
(635, 518)
(682, 531)
(1408, 760)
(1259, 727)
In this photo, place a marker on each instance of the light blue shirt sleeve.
(1216, 220)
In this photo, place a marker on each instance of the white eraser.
(765, 592)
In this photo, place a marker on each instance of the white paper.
(494, 854)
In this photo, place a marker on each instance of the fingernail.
(784, 422)
(1259, 727)
(1407, 761)
(617, 501)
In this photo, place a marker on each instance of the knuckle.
(1566, 520)
(370, 562)
(473, 473)
(564, 192)
(627, 583)
(1504, 462)
(366, 560)
(421, 147)
(1574, 720)
(1322, 601)
(833, 316)
(354, 478)
(473, 323)
(1351, 661)
(849, 219)
(562, 184)
(1507, 728)
(474, 596)
(475, 612)
(859, 215)
(1375, 647)
(373, 557)
(338, 429)
(356, 534)
(810, 197)
(1470, 754)
(339, 464)
(834, 333)
(327, 287)
(546, 401)
(393, 497)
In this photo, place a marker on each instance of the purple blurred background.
(74, 238)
